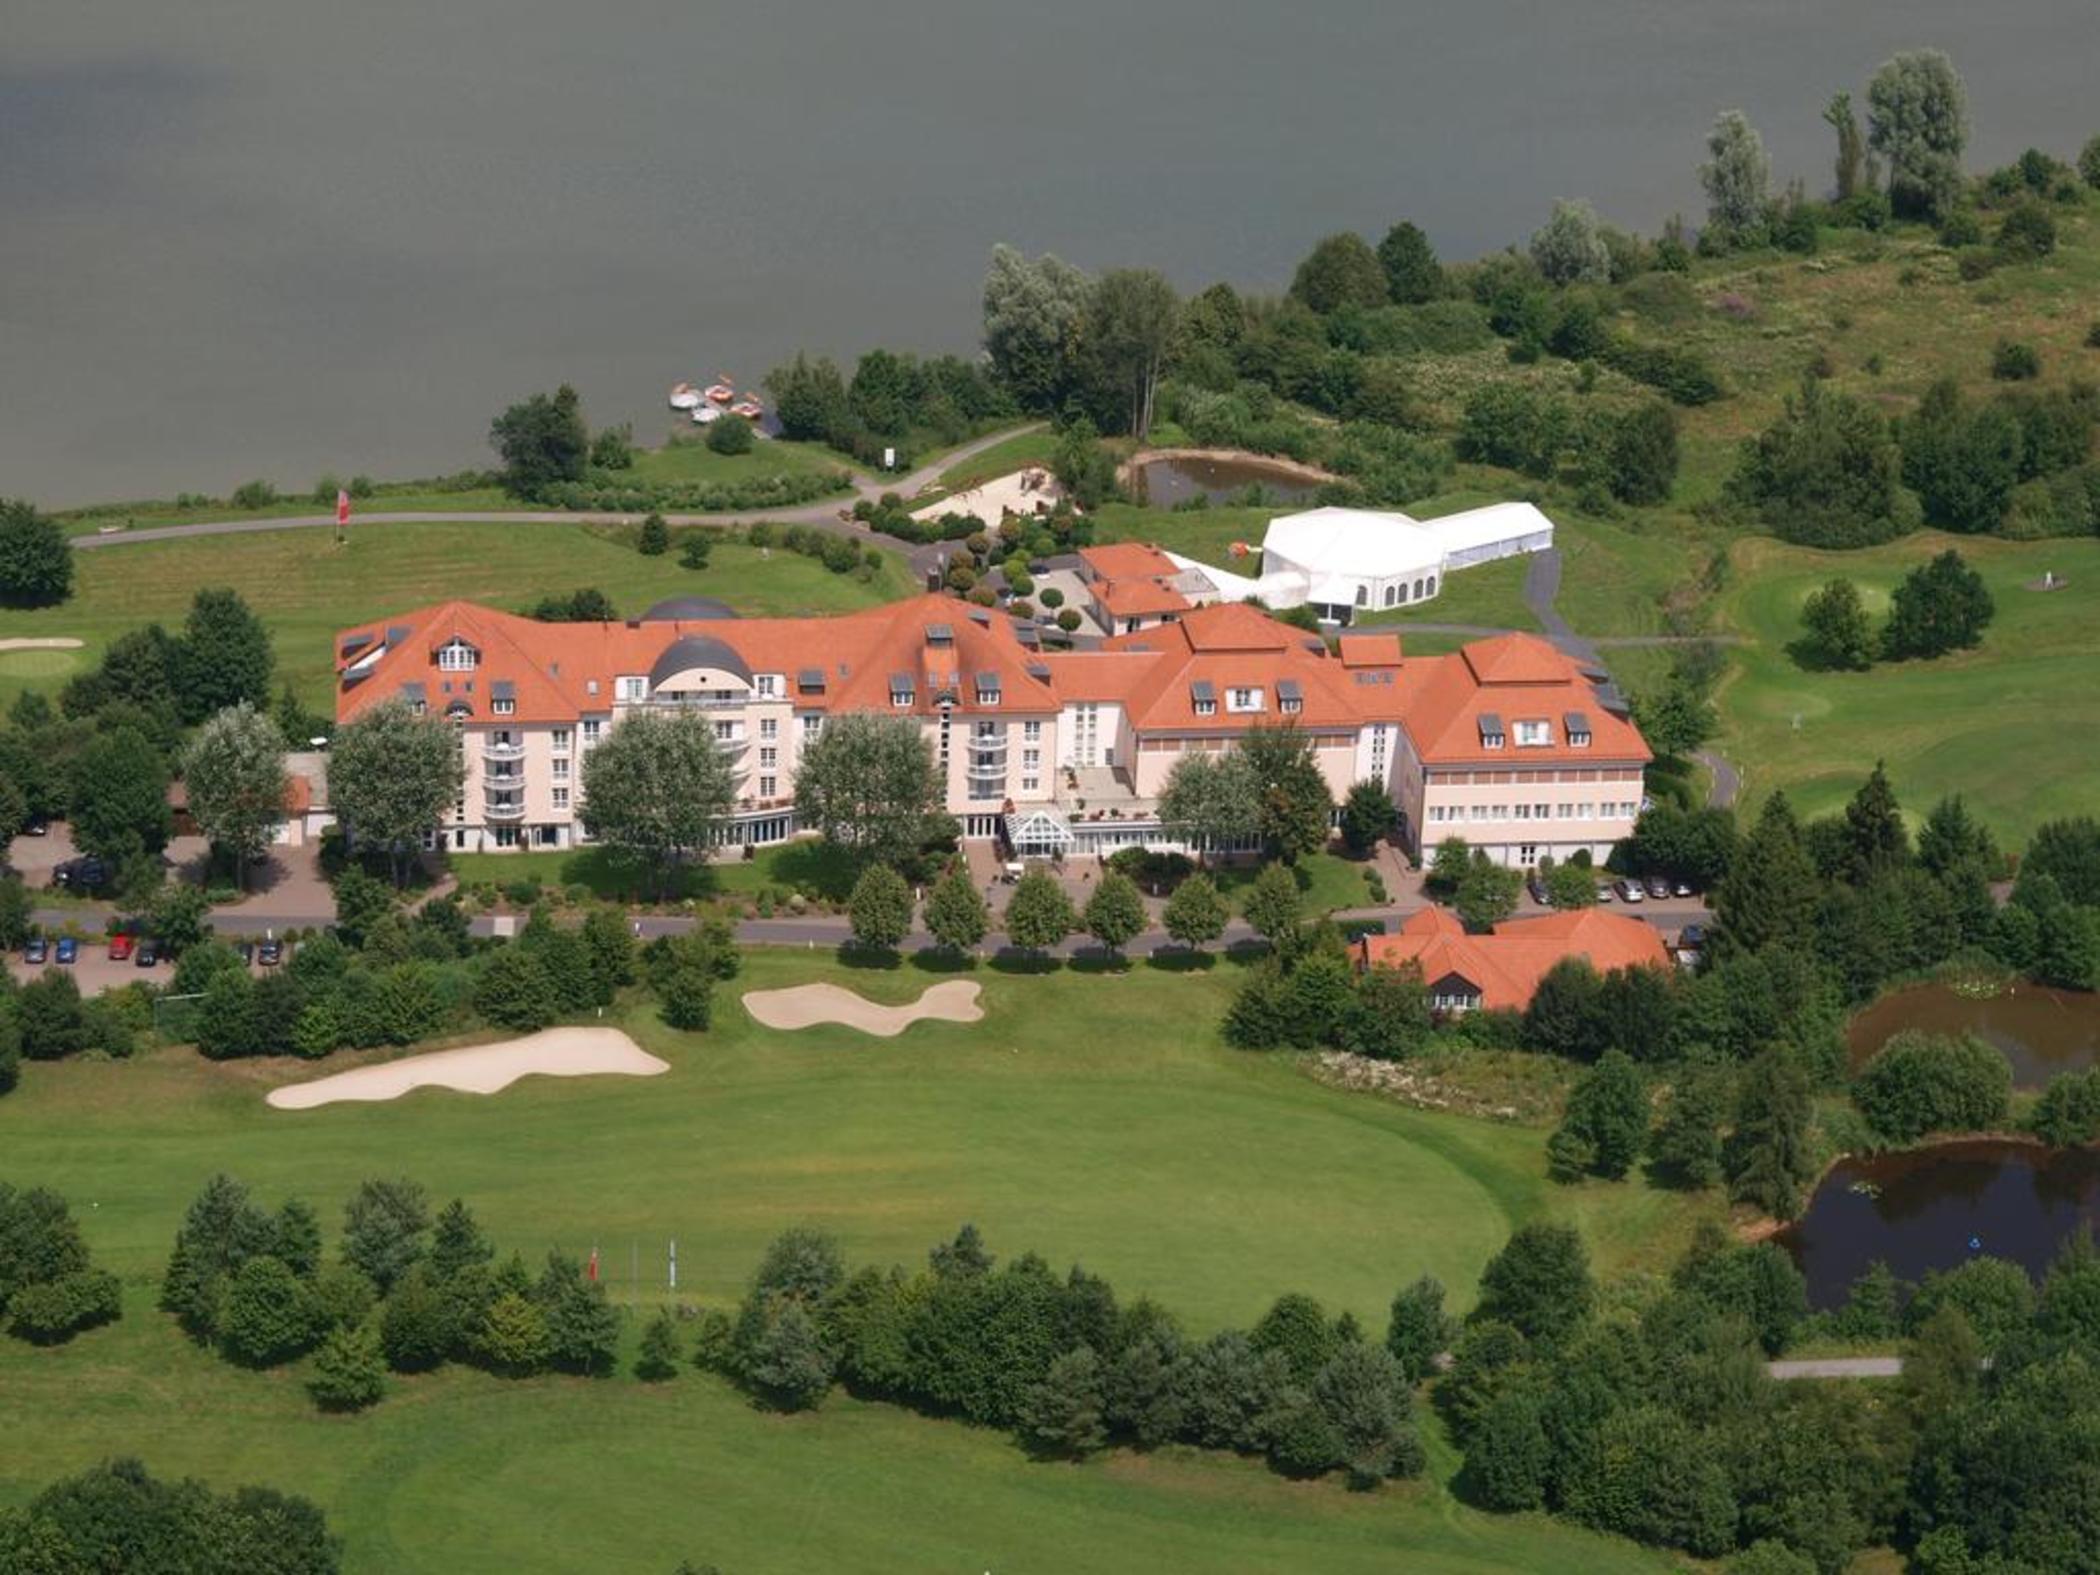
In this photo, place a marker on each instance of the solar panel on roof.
(352, 644)
(1039, 671)
(810, 678)
(1287, 689)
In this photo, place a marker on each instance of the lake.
(1933, 1208)
(2040, 1031)
(1165, 482)
(257, 238)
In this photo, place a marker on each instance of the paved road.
(1727, 781)
(824, 514)
(1838, 1367)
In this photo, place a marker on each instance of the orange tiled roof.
(1507, 965)
(1511, 678)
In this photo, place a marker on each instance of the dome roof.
(697, 650)
(688, 609)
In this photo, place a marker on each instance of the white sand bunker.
(806, 1005)
(480, 1069)
(54, 642)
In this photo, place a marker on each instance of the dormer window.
(901, 691)
(1243, 699)
(456, 656)
(1290, 700)
(987, 689)
(505, 707)
(1203, 697)
(630, 689)
(769, 686)
(1533, 735)
(1491, 735)
(1578, 725)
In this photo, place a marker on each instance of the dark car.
(68, 952)
(37, 827)
(270, 953)
(1537, 888)
(36, 951)
(1658, 888)
(1692, 938)
(82, 874)
(147, 956)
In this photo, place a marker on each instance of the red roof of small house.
(1505, 967)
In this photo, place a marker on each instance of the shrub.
(349, 1370)
(56, 1310)
(1922, 1083)
(2028, 233)
(730, 434)
(2014, 361)
(255, 495)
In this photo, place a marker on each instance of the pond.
(1935, 1208)
(1162, 483)
(2040, 1031)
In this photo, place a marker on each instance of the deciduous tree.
(233, 771)
(1918, 121)
(1736, 177)
(1341, 270)
(393, 776)
(542, 441)
(1039, 915)
(867, 783)
(880, 908)
(657, 788)
(36, 559)
(1115, 913)
(1195, 914)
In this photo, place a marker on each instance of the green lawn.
(305, 587)
(2009, 725)
(810, 866)
(1002, 458)
(1091, 1117)
(1490, 594)
(1328, 880)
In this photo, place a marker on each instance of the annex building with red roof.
(1506, 743)
(1501, 970)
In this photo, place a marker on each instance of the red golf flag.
(342, 506)
(594, 1266)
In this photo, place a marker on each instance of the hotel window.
(1527, 853)
(768, 685)
(768, 787)
(1292, 706)
(1206, 708)
(1031, 784)
(811, 726)
(561, 738)
(1031, 760)
(769, 727)
(1578, 740)
(561, 770)
(768, 757)
(456, 656)
(1532, 734)
(590, 731)
(1243, 699)
(900, 698)
(1523, 812)
(725, 732)
(987, 695)
(505, 707)
(632, 689)
(1541, 811)
(1032, 731)
(561, 798)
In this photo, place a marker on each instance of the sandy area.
(480, 1069)
(1024, 492)
(951, 1001)
(56, 642)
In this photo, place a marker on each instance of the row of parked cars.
(140, 951)
(1625, 889)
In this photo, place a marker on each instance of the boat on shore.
(684, 396)
(750, 409)
(722, 391)
(705, 415)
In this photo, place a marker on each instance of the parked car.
(1537, 888)
(68, 952)
(1682, 889)
(120, 946)
(1604, 892)
(1658, 888)
(38, 827)
(270, 953)
(1692, 938)
(1630, 890)
(148, 955)
(246, 949)
(36, 951)
(82, 874)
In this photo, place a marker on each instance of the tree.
(1835, 620)
(1064, 1414)
(1640, 454)
(349, 1370)
(1132, 317)
(393, 776)
(1876, 840)
(867, 784)
(956, 916)
(1570, 248)
(1448, 865)
(265, 1315)
(1736, 177)
(220, 1231)
(1039, 914)
(880, 908)
(117, 1517)
(1607, 1117)
(1362, 1395)
(1826, 473)
(688, 997)
(1539, 1283)
(787, 1361)
(233, 771)
(655, 538)
(1769, 894)
(223, 658)
(1420, 1330)
(1963, 460)
(1922, 1083)
(1115, 913)
(1686, 1144)
(661, 1351)
(1570, 886)
(1918, 121)
(656, 788)
(1389, 1019)
(1211, 801)
(384, 1224)
(1939, 607)
(809, 397)
(512, 1338)
(583, 1329)
(1851, 150)
(1487, 894)
(1274, 903)
(515, 992)
(542, 441)
(1034, 314)
(1195, 914)
(1291, 794)
(119, 800)
(36, 559)
(178, 917)
(730, 434)
(226, 1026)
(1412, 273)
(1367, 815)
(1767, 1157)
(1341, 270)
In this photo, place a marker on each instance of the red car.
(120, 947)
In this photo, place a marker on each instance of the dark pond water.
(1935, 1208)
(1166, 482)
(2040, 1031)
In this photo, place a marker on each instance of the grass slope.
(305, 587)
(2009, 725)
(1084, 1118)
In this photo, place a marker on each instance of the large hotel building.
(1507, 742)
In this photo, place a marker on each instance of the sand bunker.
(805, 1006)
(480, 1069)
(56, 642)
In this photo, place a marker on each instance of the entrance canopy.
(1039, 832)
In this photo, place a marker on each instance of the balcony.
(504, 809)
(490, 750)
